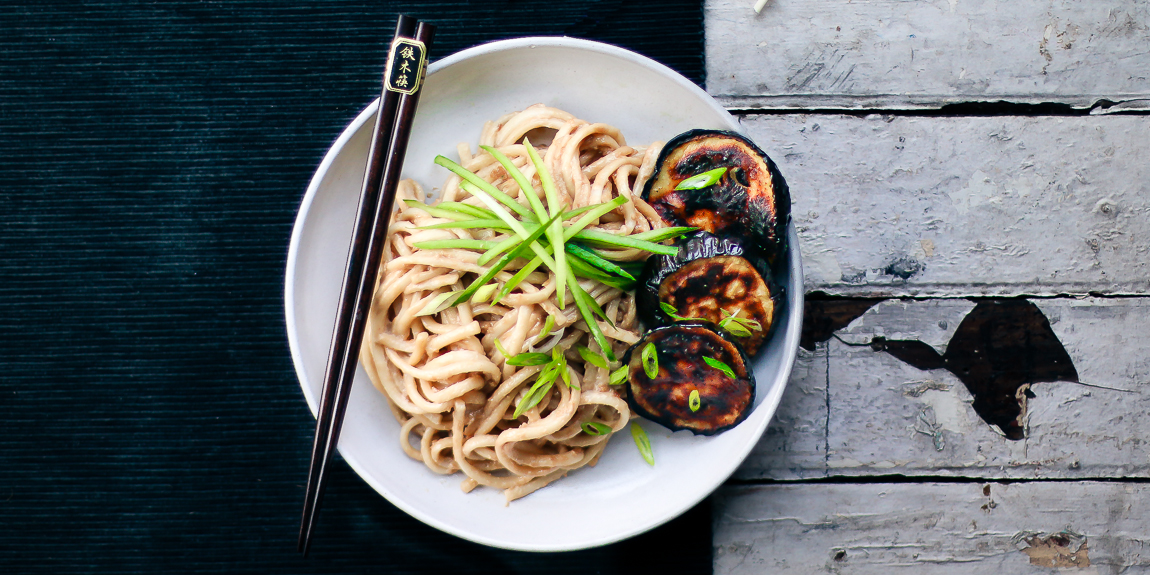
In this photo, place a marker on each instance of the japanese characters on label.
(405, 65)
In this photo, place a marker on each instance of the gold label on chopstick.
(405, 65)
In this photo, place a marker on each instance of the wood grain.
(937, 528)
(926, 54)
(852, 411)
(955, 206)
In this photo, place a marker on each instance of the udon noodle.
(445, 380)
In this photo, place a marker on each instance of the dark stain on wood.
(823, 315)
(903, 268)
(1000, 349)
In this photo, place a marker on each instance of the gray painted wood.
(932, 528)
(966, 205)
(887, 417)
(925, 54)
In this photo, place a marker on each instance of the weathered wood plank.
(925, 54)
(1087, 527)
(888, 417)
(967, 206)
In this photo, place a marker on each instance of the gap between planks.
(972, 109)
(931, 527)
(966, 206)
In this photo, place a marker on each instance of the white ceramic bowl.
(622, 495)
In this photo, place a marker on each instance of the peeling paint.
(822, 264)
(927, 247)
(950, 410)
(978, 191)
(999, 350)
(1061, 550)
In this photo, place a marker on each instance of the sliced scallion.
(518, 278)
(694, 401)
(483, 294)
(529, 358)
(592, 358)
(519, 178)
(560, 363)
(596, 260)
(484, 185)
(595, 428)
(495, 224)
(438, 211)
(578, 211)
(703, 180)
(497, 248)
(650, 357)
(499, 265)
(556, 234)
(586, 270)
(674, 313)
(598, 310)
(661, 234)
(465, 244)
(586, 312)
(597, 238)
(599, 211)
(619, 376)
(739, 326)
(726, 369)
(438, 304)
(518, 226)
(643, 443)
(499, 348)
(548, 327)
(535, 394)
(473, 211)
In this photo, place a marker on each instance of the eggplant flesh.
(666, 398)
(751, 199)
(706, 288)
(710, 278)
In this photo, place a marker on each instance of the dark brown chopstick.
(402, 84)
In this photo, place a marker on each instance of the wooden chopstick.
(402, 83)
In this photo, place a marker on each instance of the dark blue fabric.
(152, 158)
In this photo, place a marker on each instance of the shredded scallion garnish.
(543, 232)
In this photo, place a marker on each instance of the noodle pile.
(446, 382)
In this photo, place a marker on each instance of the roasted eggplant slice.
(749, 200)
(713, 279)
(688, 376)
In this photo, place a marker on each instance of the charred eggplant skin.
(751, 200)
(665, 399)
(709, 274)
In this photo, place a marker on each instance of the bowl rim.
(790, 342)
